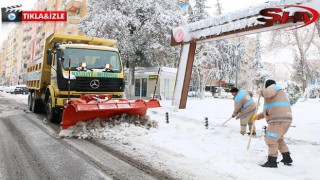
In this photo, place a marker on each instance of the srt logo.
(299, 16)
(95, 84)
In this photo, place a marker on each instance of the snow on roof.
(86, 46)
(238, 15)
(231, 21)
(153, 70)
(169, 69)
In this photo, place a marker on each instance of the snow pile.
(8, 108)
(127, 125)
(20, 102)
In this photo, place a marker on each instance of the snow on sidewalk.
(187, 150)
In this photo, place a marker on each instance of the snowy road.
(31, 149)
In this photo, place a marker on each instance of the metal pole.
(155, 87)
(69, 69)
(140, 87)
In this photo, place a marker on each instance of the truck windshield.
(94, 59)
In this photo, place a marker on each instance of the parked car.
(2, 88)
(10, 89)
(221, 93)
(21, 90)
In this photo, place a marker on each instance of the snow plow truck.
(80, 78)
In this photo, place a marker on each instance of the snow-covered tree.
(224, 63)
(142, 28)
(261, 76)
(299, 40)
(297, 70)
(199, 11)
(259, 73)
(256, 60)
(311, 69)
(202, 66)
(217, 8)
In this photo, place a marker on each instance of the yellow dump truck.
(73, 66)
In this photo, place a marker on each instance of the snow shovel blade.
(82, 110)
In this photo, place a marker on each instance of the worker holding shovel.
(244, 109)
(277, 112)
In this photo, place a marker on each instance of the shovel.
(251, 130)
(226, 121)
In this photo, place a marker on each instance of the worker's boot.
(286, 159)
(271, 163)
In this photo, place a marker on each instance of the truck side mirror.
(49, 57)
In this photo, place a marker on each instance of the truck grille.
(105, 84)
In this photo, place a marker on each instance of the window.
(166, 87)
(144, 87)
(137, 87)
(95, 59)
(140, 87)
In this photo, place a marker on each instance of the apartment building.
(13, 57)
(76, 10)
(2, 65)
(26, 42)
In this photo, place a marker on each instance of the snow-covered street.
(32, 149)
(185, 149)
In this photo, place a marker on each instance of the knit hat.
(269, 82)
(234, 89)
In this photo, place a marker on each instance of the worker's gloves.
(255, 117)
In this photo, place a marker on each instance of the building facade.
(25, 43)
(144, 83)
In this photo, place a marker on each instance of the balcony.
(74, 19)
(74, 5)
(39, 50)
(26, 48)
(40, 36)
(26, 55)
(39, 53)
(42, 42)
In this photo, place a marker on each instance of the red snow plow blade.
(90, 107)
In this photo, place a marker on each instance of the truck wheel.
(30, 101)
(53, 116)
(35, 104)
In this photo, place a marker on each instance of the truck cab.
(73, 66)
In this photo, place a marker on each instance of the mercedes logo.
(95, 84)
